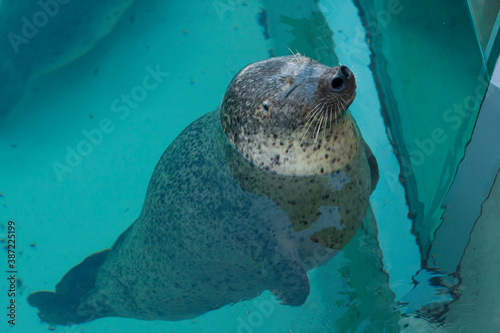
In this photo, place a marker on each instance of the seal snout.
(341, 79)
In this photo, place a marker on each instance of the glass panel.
(431, 90)
(487, 23)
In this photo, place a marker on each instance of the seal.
(247, 198)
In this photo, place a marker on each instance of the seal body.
(247, 198)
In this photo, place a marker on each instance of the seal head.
(288, 115)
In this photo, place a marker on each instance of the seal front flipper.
(62, 307)
(372, 161)
(288, 280)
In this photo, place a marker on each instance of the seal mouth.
(349, 101)
(325, 115)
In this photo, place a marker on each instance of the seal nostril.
(344, 70)
(337, 83)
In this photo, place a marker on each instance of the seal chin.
(346, 103)
(349, 101)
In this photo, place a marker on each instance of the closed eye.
(290, 91)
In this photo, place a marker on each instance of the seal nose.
(339, 81)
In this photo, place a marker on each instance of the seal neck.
(331, 150)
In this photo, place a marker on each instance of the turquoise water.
(70, 198)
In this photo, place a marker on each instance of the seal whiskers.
(319, 126)
(295, 55)
(325, 109)
(314, 114)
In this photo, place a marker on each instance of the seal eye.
(266, 106)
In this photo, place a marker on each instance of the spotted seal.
(247, 198)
